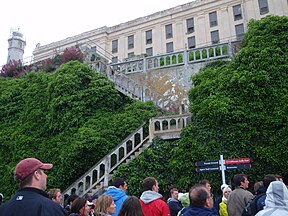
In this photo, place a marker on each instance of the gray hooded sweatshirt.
(276, 203)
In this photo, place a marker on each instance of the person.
(276, 203)
(207, 185)
(1, 198)
(223, 205)
(80, 207)
(279, 177)
(240, 196)
(151, 201)
(131, 207)
(260, 203)
(118, 192)
(31, 199)
(105, 206)
(174, 203)
(258, 187)
(70, 200)
(200, 202)
(55, 195)
(219, 199)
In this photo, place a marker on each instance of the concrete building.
(192, 25)
(16, 46)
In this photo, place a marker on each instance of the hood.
(172, 200)
(196, 211)
(116, 193)
(277, 195)
(149, 196)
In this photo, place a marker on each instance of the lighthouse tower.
(16, 46)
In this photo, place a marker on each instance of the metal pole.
(222, 169)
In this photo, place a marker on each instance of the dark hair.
(118, 182)
(131, 207)
(148, 183)
(198, 195)
(204, 182)
(238, 178)
(78, 204)
(71, 198)
(268, 179)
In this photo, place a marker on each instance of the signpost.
(222, 165)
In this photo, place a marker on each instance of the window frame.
(263, 7)
(169, 47)
(192, 38)
(130, 42)
(115, 46)
(148, 52)
(239, 36)
(213, 19)
(190, 25)
(169, 31)
(149, 38)
(237, 12)
(218, 38)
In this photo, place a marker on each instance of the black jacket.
(31, 202)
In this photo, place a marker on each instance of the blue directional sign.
(207, 169)
(206, 163)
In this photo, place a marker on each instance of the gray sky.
(45, 22)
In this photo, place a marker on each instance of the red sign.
(237, 161)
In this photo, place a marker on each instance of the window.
(149, 37)
(169, 47)
(237, 12)
(215, 37)
(114, 59)
(263, 6)
(239, 29)
(213, 19)
(191, 42)
(149, 51)
(114, 46)
(190, 25)
(131, 42)
(131, 55)
(168, 30)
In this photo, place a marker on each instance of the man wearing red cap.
(31, 199)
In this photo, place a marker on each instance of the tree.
(71, 118)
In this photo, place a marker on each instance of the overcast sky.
(45, 22)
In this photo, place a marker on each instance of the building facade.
(192, 25)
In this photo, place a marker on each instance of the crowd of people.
(270, 197)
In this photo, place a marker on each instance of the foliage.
(152, 162)
(71, 118)
(72, 53)
(13, 69)
(239, 110)
(16, 68)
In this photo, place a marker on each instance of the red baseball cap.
(27, 166)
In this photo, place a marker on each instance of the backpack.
(181, 212)
(251, 208)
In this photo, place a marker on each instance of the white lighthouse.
(16, 46)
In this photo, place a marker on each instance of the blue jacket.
(197, 211)
(119, 196)
(32, 202)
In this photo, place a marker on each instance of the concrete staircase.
(98, 176)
